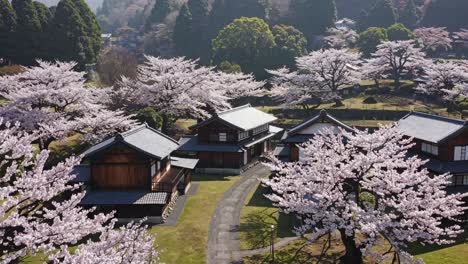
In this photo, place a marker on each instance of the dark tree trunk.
(353, 254)
(338, 103)
(165, 124)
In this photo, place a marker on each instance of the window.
(460, 180)
(260, 129)
(461, 153)
(153, 169)
(243, 135)
(222, 137)
(430, 148)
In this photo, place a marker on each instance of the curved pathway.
(223, 236)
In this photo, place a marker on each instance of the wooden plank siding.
(209, 132)
(446, 148)
(120, 167)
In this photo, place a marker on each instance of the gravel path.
(223, 237)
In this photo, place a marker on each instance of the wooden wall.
(220, 160)
(215, 128)
(446, 150)
(120, 167)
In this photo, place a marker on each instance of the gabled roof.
(191, 144)
(184, 162)
(243, 117)
(143, 139)
(321, 117)
(431, 128)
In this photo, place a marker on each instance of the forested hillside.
(93, 4)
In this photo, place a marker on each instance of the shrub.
(370, 100)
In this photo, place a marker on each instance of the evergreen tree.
(225, 11)
(7, 27)
(382, 14)
(7, 17)
(446, 13)
(92, 29)
(69, 34)
(27, 18)
(398, 31)
(290, 43)
(161, 9)
(312, 17)
(44, 15)
(27, 46)
(183, 32)
(410, 15)
(200, 10)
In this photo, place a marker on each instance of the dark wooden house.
(135, 174)
(230, 141)
(441, 140)
(290, 150)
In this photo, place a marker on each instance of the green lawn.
(257, 216)
(186, 242)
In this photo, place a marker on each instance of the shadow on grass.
(417, 249)
(211, 177)
(258, 199)
(298, 252)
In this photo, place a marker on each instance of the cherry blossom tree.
(397, 58)
(40, 211)
(434, 38)
(53, 98)
(320, 75)
(368, 189)
(341, 37)
(445, 80)
(178, 87)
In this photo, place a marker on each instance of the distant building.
(441, 140)
(230, 141)
(290, 150)
(135, 174)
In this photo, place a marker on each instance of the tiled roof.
(144, 139)
(322, 116)
(82, 172)
(184, 162)
(453, 167)
(123, 198)
(272, 132)
(190, 144)
(243, 117)
(431, 128)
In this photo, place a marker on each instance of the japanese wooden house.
(135, 174)
(443, 142)
(230, 141)
(291, 140)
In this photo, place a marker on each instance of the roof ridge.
(439, 117)
(131, 131)
(233, 109)
(161, 133)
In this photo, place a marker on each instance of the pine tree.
(44, 15)
(27, 41)
(410, 15)
(27, 18)
(382, 14)
(69, 34)
(200, 10)
(183, 32)
(92, 29)
(7, 17)
(161, 9)
(312, 17)
(7, 27)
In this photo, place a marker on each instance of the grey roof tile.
(123, 198)
(142, 138)
(243, 117)
(184, 162)
(429, 127)
(191, 144)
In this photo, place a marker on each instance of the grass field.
(186, 242)
(257, 216)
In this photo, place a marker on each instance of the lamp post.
(272, 243)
